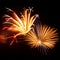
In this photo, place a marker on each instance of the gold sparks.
(21, 25)
(45, 36)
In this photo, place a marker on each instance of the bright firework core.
(39, 42)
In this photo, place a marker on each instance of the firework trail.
(45, 36)
(20, 25)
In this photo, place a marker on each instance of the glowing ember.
(2, 39)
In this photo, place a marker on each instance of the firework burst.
(20, 25)
(45, 36)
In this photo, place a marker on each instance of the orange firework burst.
(20, 25)
(45, 36)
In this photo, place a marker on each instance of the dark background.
(49, 13)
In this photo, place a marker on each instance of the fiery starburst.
(45, 36)
(20, 25)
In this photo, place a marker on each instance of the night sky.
(49, 13)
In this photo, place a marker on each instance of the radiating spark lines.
(46, 36)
